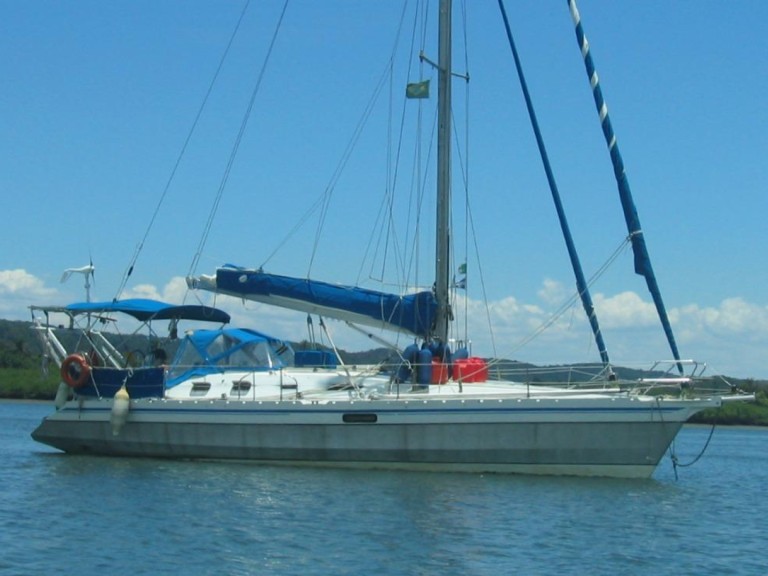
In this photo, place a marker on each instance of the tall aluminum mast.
(442, 259)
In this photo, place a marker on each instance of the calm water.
(87, 515)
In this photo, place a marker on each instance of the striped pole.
(640, 250)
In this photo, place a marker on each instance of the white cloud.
(624, 310)
(733, 318)
(174, 291)
(18, 290)
(20, 281)
(141, 291)
(552, 292)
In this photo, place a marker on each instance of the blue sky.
(98, 99)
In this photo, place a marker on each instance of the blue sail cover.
(412, 313)
(643, 265)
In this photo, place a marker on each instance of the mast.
(442, 243)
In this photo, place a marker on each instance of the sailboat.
(432, 409)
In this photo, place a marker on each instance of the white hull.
(604, 436)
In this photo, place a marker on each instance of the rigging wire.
(387, 232)
(387, 235)
(419, 176)
(236, 146)
(387, 207)
(322, 202)
(574, 298)
(481, 276)
(583, 289)
(325, 198)
(465, 167)
(140, 246)
(410, 262)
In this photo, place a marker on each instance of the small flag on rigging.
(417, 90)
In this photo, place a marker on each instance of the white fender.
(120, 405)
(62, 395)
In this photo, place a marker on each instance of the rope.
(673, 456)
(140, 246)
(236, 146)
(323, 201)
(570, 302)
(675, 462)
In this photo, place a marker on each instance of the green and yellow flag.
(417, 90)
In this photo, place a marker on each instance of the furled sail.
(639, 248)
(413, 313)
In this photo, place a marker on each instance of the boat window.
(283, 351)
(240, 387)
(251, 355)
(200, 388)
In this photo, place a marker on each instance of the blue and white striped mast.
(642, 259)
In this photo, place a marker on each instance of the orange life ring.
(75, 370)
